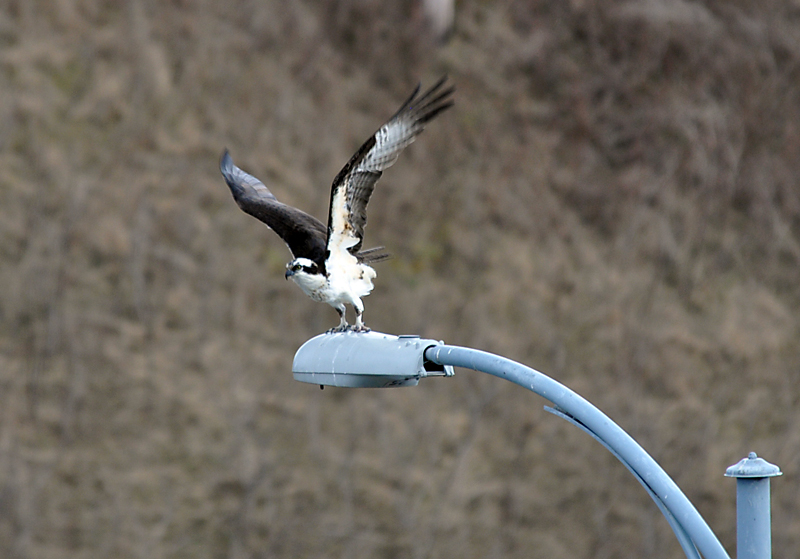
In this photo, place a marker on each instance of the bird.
(328, 262)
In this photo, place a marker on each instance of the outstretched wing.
(354, 184)
(305, 234)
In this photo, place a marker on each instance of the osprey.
(329, 265)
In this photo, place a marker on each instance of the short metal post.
(753, 517)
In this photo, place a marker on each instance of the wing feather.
(353, 186)
(305, 235)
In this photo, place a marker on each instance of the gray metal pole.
(648, 471)
(380, 360)
(753, 516)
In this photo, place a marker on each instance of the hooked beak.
(289, 273)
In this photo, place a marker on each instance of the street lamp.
(382, 360)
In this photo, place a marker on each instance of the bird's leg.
(340, 308)
(359, 326)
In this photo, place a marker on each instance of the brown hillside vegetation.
(614, 200)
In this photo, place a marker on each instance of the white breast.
(348, 279)
(315, 286)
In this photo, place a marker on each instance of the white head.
(307, 275)
(301, 266)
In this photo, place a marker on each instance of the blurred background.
(614, 201)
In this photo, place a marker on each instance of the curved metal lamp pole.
(691, 530)
(380, 360)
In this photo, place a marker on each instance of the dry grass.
(613, 201)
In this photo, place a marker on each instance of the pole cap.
(753, 467)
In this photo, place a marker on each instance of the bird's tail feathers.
(373, 255)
